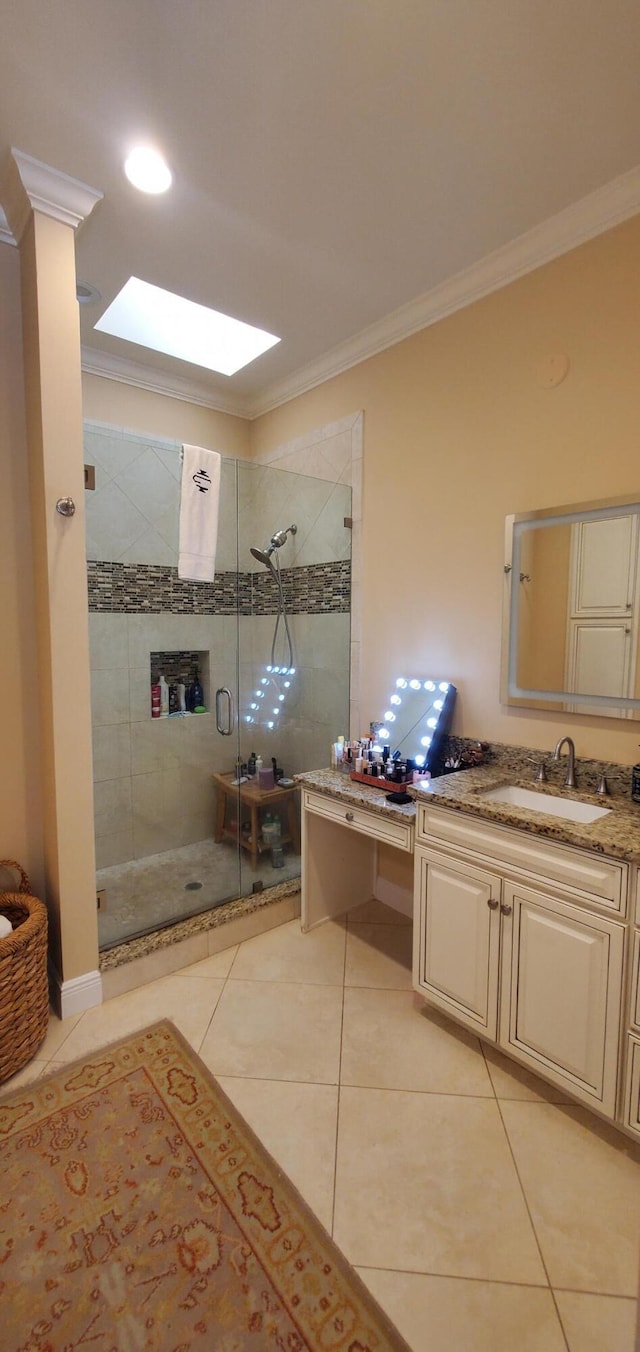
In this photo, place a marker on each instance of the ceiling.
(333, 159)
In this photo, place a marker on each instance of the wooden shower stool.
(254, 798)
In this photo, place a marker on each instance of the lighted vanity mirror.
(571, 612)
(417, 718)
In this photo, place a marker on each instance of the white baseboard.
(73, 997)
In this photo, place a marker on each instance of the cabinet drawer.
(359, 819)
(636, 893)
(632, 1098)
(599, 880)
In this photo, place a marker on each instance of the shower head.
(276, 542)
(263, 556)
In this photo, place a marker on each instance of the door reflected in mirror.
(572, 605)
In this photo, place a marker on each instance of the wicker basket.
(24, 991)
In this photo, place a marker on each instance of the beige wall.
(20, 775)
(161, 415)
(461, 430)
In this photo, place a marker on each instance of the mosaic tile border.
(154, 589)
(196, 924)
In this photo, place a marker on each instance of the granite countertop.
(337, 784)
(617, 835)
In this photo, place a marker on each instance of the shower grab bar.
(224, 732)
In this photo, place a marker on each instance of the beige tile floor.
(483, 1212)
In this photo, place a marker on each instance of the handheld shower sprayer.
(278, 539)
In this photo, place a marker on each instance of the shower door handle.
(224, 690)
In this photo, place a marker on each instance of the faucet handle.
(603, 788)
(541, 774)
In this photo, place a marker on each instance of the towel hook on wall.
(524, 577)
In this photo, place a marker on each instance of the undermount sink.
(545, 802)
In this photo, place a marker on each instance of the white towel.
(199, 505)
(5, 927)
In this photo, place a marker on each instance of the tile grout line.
(531, 1222)
(335, 1153)
(459, 1277)
(224, 980)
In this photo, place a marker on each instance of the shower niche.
(270, 636)
(181, 669)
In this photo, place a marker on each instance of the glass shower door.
(294, 602)
(164, 851)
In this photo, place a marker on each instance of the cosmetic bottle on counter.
(635, 783)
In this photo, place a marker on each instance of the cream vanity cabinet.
(632, 1050)
(339, 851)
(521, 939)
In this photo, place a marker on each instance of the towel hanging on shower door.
(199, 507)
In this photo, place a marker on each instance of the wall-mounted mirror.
(571, 623)
(417, 718)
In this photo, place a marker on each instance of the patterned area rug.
(138, 1211)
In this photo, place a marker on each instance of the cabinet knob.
(505, 910)
(348, 816)
(493, 904)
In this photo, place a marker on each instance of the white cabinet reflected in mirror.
(571, 623)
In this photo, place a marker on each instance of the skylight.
(158, 319)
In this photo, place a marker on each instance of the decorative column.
(44, 208)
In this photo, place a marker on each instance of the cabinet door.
(632, 1103)
(456, 938)
(600, 661)
(603, 566)
(561, 992)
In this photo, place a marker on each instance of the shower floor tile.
(145, 894)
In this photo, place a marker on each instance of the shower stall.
(180, 828)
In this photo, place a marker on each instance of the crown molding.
(111, 367)
(5, 234)
(608, 206)
(28, 185)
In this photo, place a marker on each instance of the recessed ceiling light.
(155, 318)
(147, 170)
(87, 294)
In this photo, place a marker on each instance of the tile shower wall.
(153, 785)
(153, 788)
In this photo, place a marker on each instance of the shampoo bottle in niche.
(164, 697)
(182, 703)
(198, 694)
(155, 700)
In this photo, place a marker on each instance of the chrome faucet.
(570, 779)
